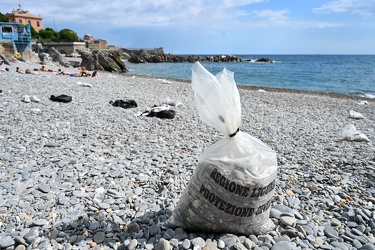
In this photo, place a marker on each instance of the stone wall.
(67, 48)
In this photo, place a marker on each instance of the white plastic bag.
(232, 186)
(350, 133)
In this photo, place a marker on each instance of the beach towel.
(61, 98)
(231, 188)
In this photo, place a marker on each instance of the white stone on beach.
(355, 115)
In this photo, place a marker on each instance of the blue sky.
(216, 26)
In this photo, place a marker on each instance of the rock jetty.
(158, 55)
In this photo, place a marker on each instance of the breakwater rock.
(158, 56)
(264, 59)
(98, 60)
(57, 57)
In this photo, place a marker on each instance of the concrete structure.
(68, 49)
(24, 17)
(19, 35)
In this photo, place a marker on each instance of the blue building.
(18, 34)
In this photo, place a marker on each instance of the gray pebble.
(133, 244)
(163, 245)
(6, 241)
(367, 247)
(186, 244)
(282, 245)
(199, 241)
(99, 237)
(169, 234)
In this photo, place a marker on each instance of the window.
(20, 21)
(37, 24)
(7, 29)
(29, 22)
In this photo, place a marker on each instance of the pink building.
(23, 16)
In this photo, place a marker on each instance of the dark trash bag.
(164, 114)
(61, 98)
(124, 104)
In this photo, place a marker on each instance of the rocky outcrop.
(5, 60)
(57, 57)
(98, 60)
(45, 58)
(156, 56)
(88, 61)
(264, 59)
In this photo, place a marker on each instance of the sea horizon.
(328, 73)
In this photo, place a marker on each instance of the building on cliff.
(95, 43)
(24, 17)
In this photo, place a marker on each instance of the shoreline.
(257, 88)
(250, 87)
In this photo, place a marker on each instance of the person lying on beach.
(27, 71)
(60, 72)
(18, 70)
(46, 70)
(84, 72)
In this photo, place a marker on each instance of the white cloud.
(365, 8)
(142, 12)
(279, 18)
(276, 17)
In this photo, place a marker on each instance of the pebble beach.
(88, 175)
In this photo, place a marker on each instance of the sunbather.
(29, 71)
(84, 72)
(46, 70)
(60, 72)
(18, 70)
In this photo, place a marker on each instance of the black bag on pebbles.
(232, 187)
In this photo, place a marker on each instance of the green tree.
(3, 18)
(49, 35)
(68, 35)
(34, 33)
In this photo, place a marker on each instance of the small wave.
(370, 96)
(255, 61)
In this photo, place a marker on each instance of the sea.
(342, 74)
